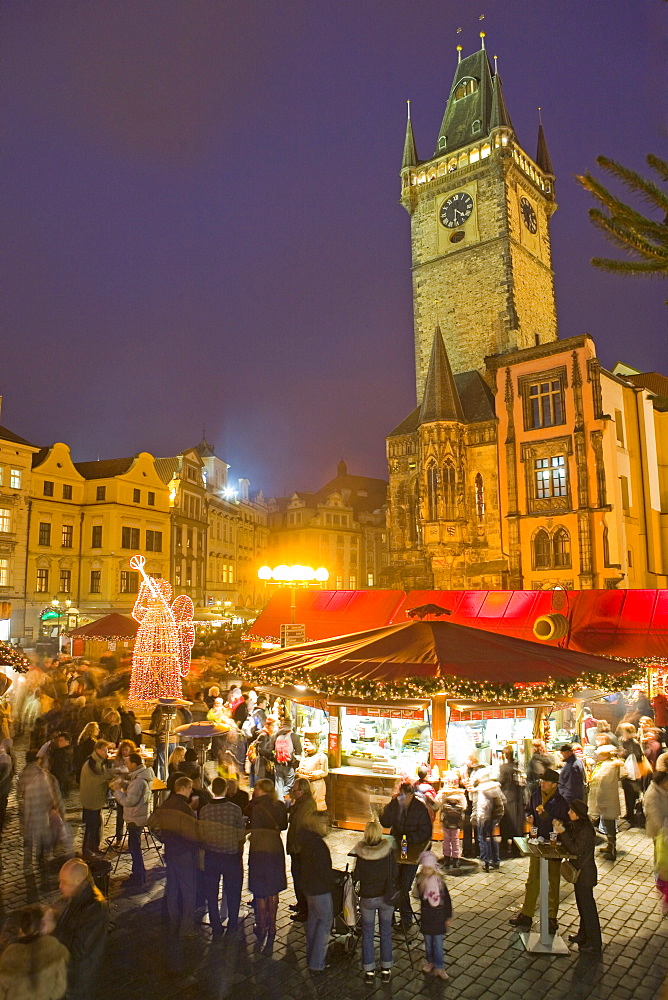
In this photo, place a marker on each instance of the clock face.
(528, 214)
(456, 209)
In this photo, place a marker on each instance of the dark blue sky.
(200, 211)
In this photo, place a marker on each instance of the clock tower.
(480, 210)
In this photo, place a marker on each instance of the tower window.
(541, 550)
(442, 141)
(432, 492)
(544, 403)
(477, 125)
(465, 87)
(479, 497)
(449, 491)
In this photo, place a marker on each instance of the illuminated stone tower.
(480, 210)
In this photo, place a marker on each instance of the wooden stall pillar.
(334, 739)
(439, 747)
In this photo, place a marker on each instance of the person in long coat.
(38, 795)
(604, 795)
(513, 786)
(579, 838)
(266, 859)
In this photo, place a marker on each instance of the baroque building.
(525, 464)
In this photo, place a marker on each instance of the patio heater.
(201, 734)
(170, 707)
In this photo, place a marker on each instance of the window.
(178, 537)
(550, 477)
(68, 536)
(15, 479)
(129, 582)
(189, 538)
(5, 519)
(151, 499)
(561, 549)
(432, 492)
(339, 583)
(231, 573)
(629, 558)
(369, 579)
(546, 403)
(153, 541)
(48, 488)
(95, 581)
(42, 581)
(626, 499)
(476, 127)
(449, 491)
(352, 582)
(136, 496)
(101, 493)
(2, 476)
(129, 540)
(65, 581)
(44, 533)
(619, 428)
(67, 492)
(96, 536)
(442, 142)
(541, 550)
(606, 547)
(479, 497)
(4, 572)
(466, 87)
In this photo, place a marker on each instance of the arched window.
(479, 497)
(442, 141)
(476, 126)
(449, 491)
(416, 512)
(542, 555)
(432, 492)
(466, 87)
(561, 548)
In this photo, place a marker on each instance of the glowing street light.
(293, 577)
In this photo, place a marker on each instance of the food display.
(386, 741)
(485, 732)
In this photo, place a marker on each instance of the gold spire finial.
(482, 39)
(408, 103)
(459, 53)
(540, 117)
(496, 65)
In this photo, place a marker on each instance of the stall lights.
(293, 574)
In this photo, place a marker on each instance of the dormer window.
(442, 142)
(465, 87)
(477, 125)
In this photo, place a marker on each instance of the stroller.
(347, 925)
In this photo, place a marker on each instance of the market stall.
(423, 693)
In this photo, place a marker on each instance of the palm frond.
(628, 266)
(647, 190)
(627, 238)
(659, 165)
(622, 211)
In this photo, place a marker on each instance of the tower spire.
(542, 152)
(441, 400)
(410, 152)
(499, 114)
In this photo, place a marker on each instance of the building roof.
(363, 493)
(476, 399)
(206, 450)
(457, 124)
(7, 435)
(499, 114)
(542, 153)
(652, 381)
(106, 469)
(166, 468)
(441, 399)
(39, 457)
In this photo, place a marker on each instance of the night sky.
(201, 223)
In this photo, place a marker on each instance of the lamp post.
(293, 577)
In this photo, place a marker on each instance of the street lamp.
(293, 577)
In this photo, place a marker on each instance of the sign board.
(292, 635)
(386, 713)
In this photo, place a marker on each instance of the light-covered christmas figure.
(164, 640)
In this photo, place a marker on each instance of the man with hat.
(546, 806)
(572, 774)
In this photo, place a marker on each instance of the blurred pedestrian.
(266, 859)
(488, 808)
(223, 831)
(513, 785)
(135, 799)
(40, 809)
(453, 808)
(176, 825)
(377, 877)
(435, 912)
(572, 774)
(35, 967)
(302, 806)
(604, 795)
(82, 927)
(317, 880)
(93, 785)
(578, 836)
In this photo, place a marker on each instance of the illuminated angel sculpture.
(164, 640)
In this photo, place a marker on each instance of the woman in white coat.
(604, 787)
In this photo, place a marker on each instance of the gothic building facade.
(524, 464)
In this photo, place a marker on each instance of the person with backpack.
(488, 809)
(453, 810)
(260, 754)
(286, 748)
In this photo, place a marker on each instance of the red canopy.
(438, 649)
(113, 626)
(328, 612)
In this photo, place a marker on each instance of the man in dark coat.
(572, 774)
(82, 927)
(408, 818)
(176, 825)
(546, 805)
(579, 838)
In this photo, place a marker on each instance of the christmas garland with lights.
(9, 657)
(429, 687)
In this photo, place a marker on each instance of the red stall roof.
(327, 613)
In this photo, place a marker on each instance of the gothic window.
(432, 492)
(479, 497)
(465, 87)
(449, 491)
(545, 403)
(550, 477)
(561, 549)
(415, 520)
(541, 550)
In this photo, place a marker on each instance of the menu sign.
(386, 713)
(480, 715)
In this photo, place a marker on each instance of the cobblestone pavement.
(485, 957)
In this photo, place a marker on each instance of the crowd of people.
(208, 819)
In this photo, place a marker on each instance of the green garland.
(428, 687)
(10, 658)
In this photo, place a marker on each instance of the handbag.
(644, 767)
(391, 894)
(569, 872)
